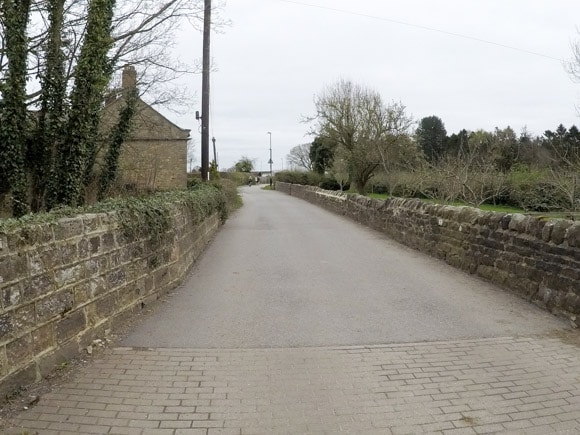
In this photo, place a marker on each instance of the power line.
(430, 29)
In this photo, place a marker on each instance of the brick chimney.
(129, 79)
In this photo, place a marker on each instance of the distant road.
(284, 273)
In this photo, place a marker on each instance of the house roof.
(148, 123)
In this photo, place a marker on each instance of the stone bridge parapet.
(67, 283)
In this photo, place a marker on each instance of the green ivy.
(92, 75)
(13, 115)
(140, 218)
(52, 115)
(117, 138)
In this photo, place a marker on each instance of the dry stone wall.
(532, 256)
(64, 284)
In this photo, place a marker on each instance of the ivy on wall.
(141, 217)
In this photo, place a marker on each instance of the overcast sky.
(277, 55)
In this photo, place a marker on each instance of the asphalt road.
(285, 273)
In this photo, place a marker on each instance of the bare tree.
(68, 54)
(357, 120)
(340, 168)
(565, 173)
(471, 178)
(299, 157)
(144, 33)
(398, 150)
(567, 182)
(573, 66)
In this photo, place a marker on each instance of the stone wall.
(532, 256)
(64, 284)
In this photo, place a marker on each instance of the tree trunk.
(52, 114)
(360, 186)
(92, 76)
(13, 114)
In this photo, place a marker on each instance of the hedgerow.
(146, 216)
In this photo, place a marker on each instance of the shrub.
(230, 190)
(378, 185)
(238, 178)
(531, 190)
(329, 183)
(138, 215)
(299, 177)
(405, 184)
(193, 181)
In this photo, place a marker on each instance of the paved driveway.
(299, 321)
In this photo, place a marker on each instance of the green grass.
(573, 216)
(485, 207)
(491, 207)
(501, 208)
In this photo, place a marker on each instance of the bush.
(377, 185)
(140, 214)
(193, 181)
(230, 191)
(524, 188)
(404, 184)
(533, 190)
(299, 177)
(329, 183)
(238, 178)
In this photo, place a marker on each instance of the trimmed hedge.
(310, 179)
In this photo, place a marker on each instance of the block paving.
(497, 385)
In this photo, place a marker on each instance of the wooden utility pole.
(205, 93)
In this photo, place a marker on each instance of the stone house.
(155, 156)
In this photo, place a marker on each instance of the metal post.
(214, 153)
(270, 161)
(205, 93)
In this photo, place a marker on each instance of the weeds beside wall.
(66, 281)
(535, 257)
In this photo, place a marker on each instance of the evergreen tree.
(457, 143)
(564, 145)
(245, 164)
(321, 154)
(431, 138)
